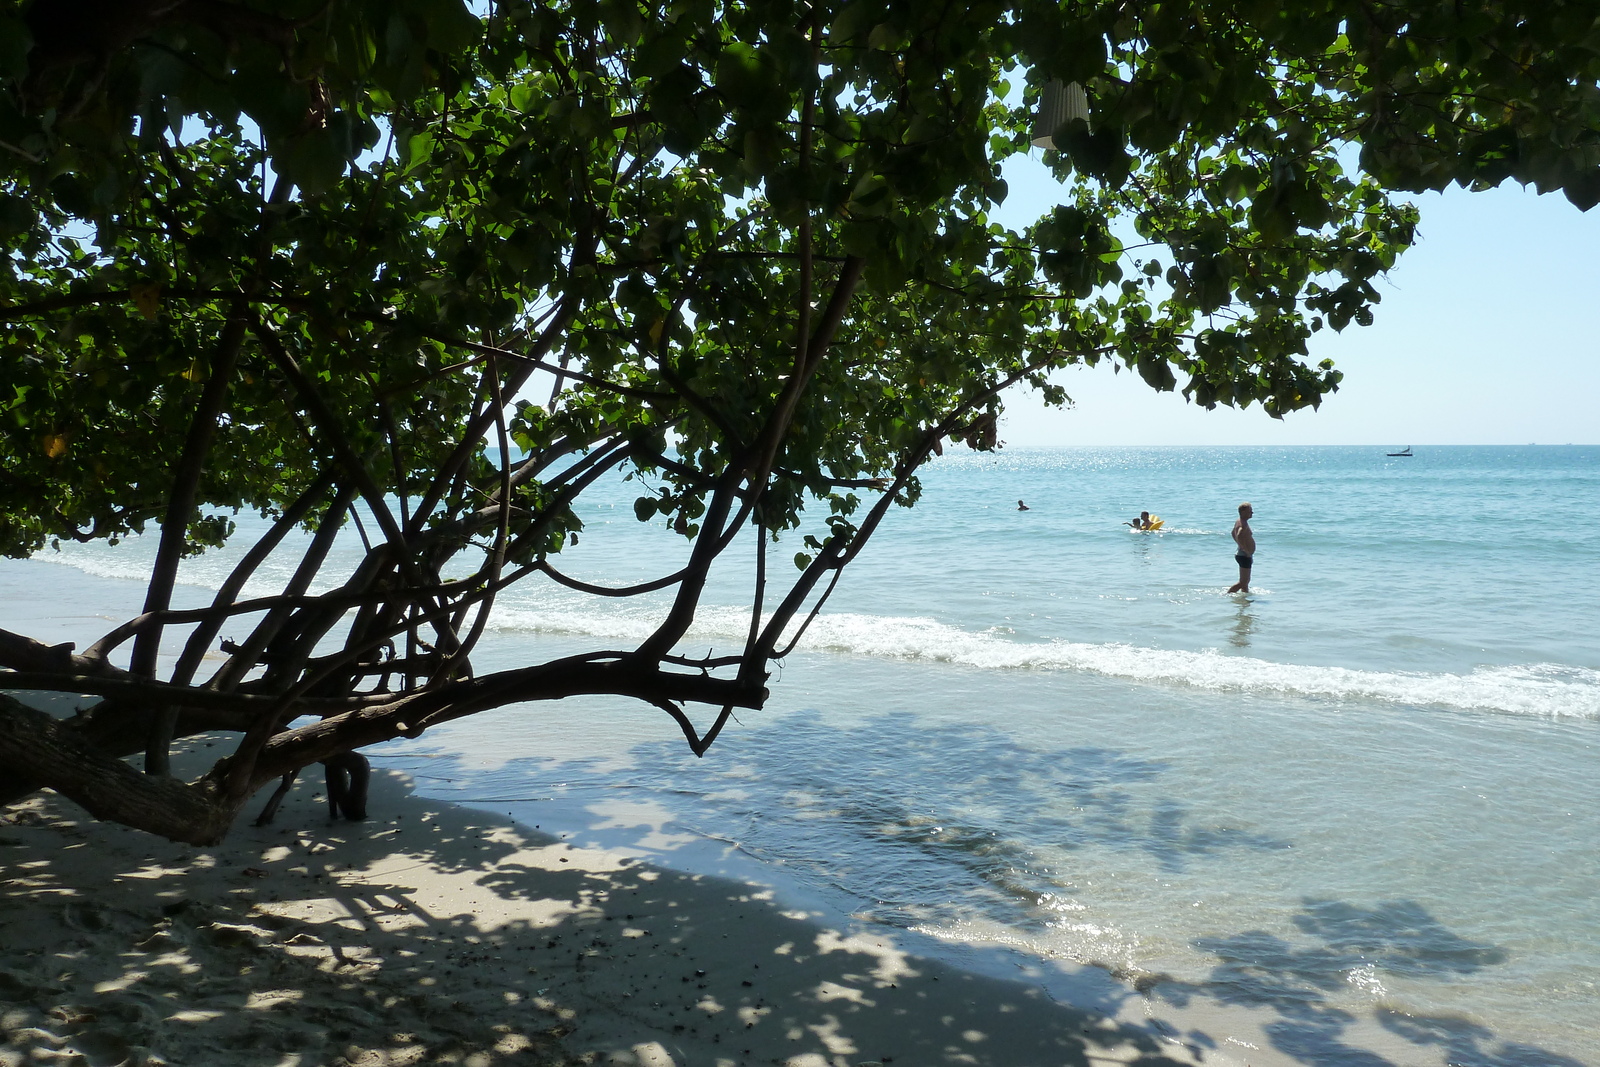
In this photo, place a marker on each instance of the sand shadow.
(1343, 943)
(437, 933)
(965, 813)
(445, 935)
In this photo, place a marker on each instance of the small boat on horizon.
(1406, 451)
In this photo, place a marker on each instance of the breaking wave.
(1542, 689)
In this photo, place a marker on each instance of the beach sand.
(439, 934)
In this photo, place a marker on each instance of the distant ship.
(1406, 451)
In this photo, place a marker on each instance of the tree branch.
(35, 745)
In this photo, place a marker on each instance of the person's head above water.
(1245, 510)
(1144, 514)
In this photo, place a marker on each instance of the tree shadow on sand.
(900, 811)
(446, 935)
(1347, 944)
(442, 934)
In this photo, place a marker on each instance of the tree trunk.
(113, 729)
(35, 746)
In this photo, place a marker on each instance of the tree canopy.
(447, 266)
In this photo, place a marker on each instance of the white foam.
(1068, 935)
(1541, 689)
(132, 560)
(100, 564)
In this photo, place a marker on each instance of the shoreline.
(1389, 969)
(438, 933)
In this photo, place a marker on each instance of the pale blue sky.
(1488, 333)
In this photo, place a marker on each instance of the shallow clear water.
(1368, 787)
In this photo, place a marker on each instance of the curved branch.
(836, 555)
(598, 673)
(338, 597)
(223, 706)
(186, 476)
(816, 609)
(582, 253)
(333, 437)
(249, 653)
(175, 525)
(497, 557)
(22, 653)
(200, 640)
(601, 590)
(696, 744)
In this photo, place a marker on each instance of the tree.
(442, 272)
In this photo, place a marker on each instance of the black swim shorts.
(1242, 559)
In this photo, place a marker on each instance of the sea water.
(1369, 788)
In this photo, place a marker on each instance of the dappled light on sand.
(442, 935)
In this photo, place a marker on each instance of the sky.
(1488, 333)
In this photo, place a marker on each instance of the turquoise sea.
(1366, 794)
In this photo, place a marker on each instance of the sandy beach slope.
(439, 934)
(436, 934)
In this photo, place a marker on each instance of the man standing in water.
(1245, 539)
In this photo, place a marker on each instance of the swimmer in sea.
(1022, 507)
(1245, 539)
